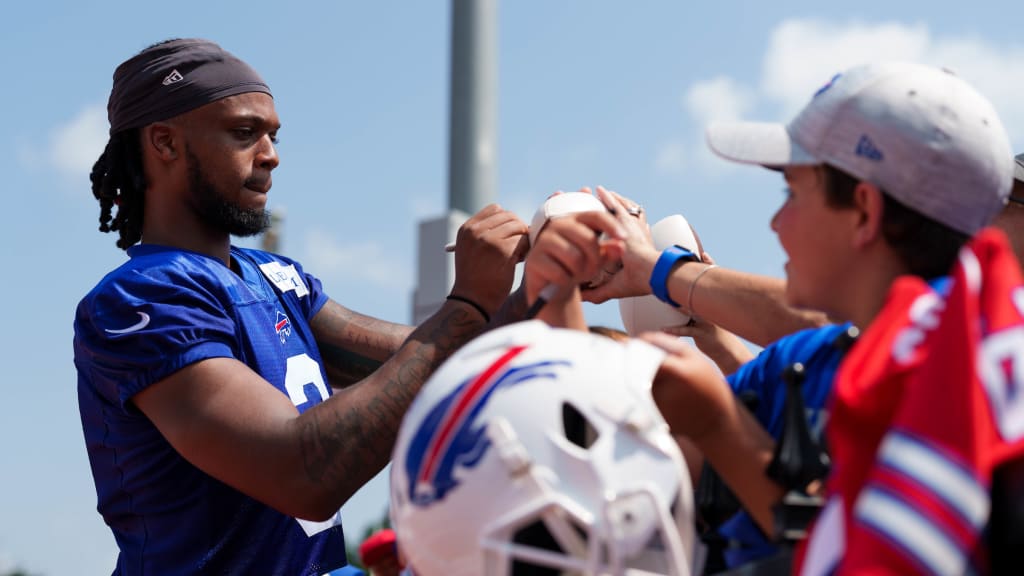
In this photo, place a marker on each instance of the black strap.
(799, 459)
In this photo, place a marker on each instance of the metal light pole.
(472, 151)
(472, 181)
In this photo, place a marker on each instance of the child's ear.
(869, 204)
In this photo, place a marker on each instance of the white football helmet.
(539, 450)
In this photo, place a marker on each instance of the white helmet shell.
(540, 450)
(562, 204)
(646, 313)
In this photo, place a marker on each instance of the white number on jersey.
(1001, 368)
(303, 370)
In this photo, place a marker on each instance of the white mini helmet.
(538, 450)
(646, 313)
(562, 204)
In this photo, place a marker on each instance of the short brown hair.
(927, 248)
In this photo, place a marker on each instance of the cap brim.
(1018, 168)
(769, 145)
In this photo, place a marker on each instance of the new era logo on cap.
(867, 149)
(173, 77)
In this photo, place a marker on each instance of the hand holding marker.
(557, 205)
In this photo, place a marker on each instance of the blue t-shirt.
(162, 310)
(815, 349)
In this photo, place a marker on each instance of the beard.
(217, 211)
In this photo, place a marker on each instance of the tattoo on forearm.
(347, 440)
(353, 346)
(345, 367)
(368, 337)
(513, 309)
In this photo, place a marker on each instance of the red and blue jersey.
(925, 406)
(162, 310)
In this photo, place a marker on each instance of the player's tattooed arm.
(224, 418)
(513, 309)
(348, 440)
(353, 345)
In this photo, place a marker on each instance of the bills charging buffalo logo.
(283, 326)
(450, 437)
(827, 85)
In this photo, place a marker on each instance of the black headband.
(174, 77)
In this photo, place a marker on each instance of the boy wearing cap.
(890, 168)
(213, 380)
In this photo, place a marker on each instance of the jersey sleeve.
(317, 297)
(762, 376)
(139, 328)
(751, 377)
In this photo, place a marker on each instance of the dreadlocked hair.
(118, 179)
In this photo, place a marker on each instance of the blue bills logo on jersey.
(451, 437)
(283, 326)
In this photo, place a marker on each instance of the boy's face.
(816, 239)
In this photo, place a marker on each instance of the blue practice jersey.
(159, 312)
(763, 376)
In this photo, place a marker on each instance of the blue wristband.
(663, 267)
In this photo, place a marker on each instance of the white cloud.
(718, 99)
(363, 261)
(803, 54)
(75, 145)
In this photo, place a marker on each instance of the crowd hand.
(570, 250)
(688, 389)
(632, 279)
(487, 248)
(723, 347)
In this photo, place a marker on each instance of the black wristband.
(479, 308)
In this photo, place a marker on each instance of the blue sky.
(590, 92)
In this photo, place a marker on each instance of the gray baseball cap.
(918, 132)
(1018, 167)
